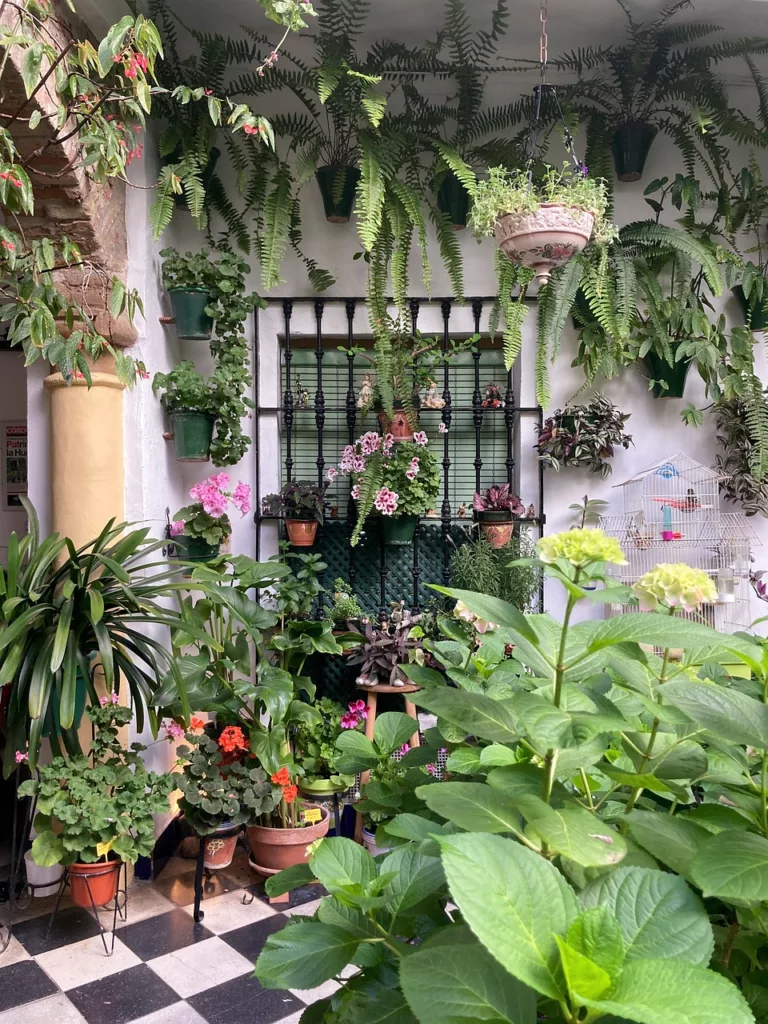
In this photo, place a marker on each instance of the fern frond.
(219, 201)
(371, 192)
(756, 417)
(369, 487)
(450, 252)
(277, 221)
(161, 211)
(555, 301)
(650, 235)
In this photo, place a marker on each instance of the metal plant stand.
(118, 906)
(17, 895)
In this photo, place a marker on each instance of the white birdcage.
(672, 514)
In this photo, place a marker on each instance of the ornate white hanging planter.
(545, 238)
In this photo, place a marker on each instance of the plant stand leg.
(410, 709)
(198, 913)
(62, 886)
(336, 815)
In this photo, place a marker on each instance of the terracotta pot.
(220, 849)
(398, 426)
(274, 849)
(301, 532)
(498, 535)
(94, 885)
(544, 239)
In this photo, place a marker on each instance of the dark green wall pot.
(631, 144)
(453, 199)
(195, 549)
(659, 369)
(754, 315)
(192, 435)
(337, 187)
(192, 322)
(398, 530)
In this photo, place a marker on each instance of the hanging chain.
(544, 41)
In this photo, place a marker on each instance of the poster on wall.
(14, 438)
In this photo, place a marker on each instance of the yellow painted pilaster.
(87, 477)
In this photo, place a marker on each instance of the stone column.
(87, 475)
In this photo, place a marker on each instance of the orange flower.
(290, 793)
(197, 723)
(232, 738)
(282, 778)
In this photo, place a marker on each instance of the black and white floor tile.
(165, 969)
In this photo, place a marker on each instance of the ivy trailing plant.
(583, 836)
(194, 100)
(225, 393)
(663, 77)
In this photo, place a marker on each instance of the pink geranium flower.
(332, 474)
(177, 528)
(356, 492)
(241, 498)
(386, 501)
(442, 428)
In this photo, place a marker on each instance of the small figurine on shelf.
(462, 511)
(492, 396)
(530, 512)
(432, 513)
(365, 396)
(433, 399)
(302, 395)
(397, 613)
(334, 511)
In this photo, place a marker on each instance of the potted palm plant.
(399, 482)
(199, 529)
(95, 812)
(190, 402)
(189, 280)
(302, 504)
(496, 511)
(223, 788)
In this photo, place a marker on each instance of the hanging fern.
(320, 279)
(756, 419)
(274, 239)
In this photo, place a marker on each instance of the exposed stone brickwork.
(67, 202)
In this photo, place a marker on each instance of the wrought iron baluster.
(288, 394)
(383, 573)
(477, 398)
(351, 406)
(414, 307)
(446, 512)
(319, 395)
(509, 422)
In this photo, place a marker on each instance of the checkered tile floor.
(165, 969)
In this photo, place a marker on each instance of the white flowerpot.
(544, 239)
(48, 878)
(369, 842)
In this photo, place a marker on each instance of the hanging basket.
(192, 435)
(755, 315)
(337, 187)
(544, 239)
(453, 200)
(631, 144)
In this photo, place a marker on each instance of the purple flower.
(173, 730)
(358, 464)
(405, 748)
(410, 474)
(432, 769)
(421, 438)
(103, 701)
(356, 492)
(349, 721)
(332, 474)
(442, 428)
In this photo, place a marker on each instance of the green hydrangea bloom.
(673, 585)
(581, 547)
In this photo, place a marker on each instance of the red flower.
(197, 723)
(232, 738)
(282, 778)
(290, 793)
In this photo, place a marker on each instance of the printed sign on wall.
(14, 464)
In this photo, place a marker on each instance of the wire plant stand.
(117, 907)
